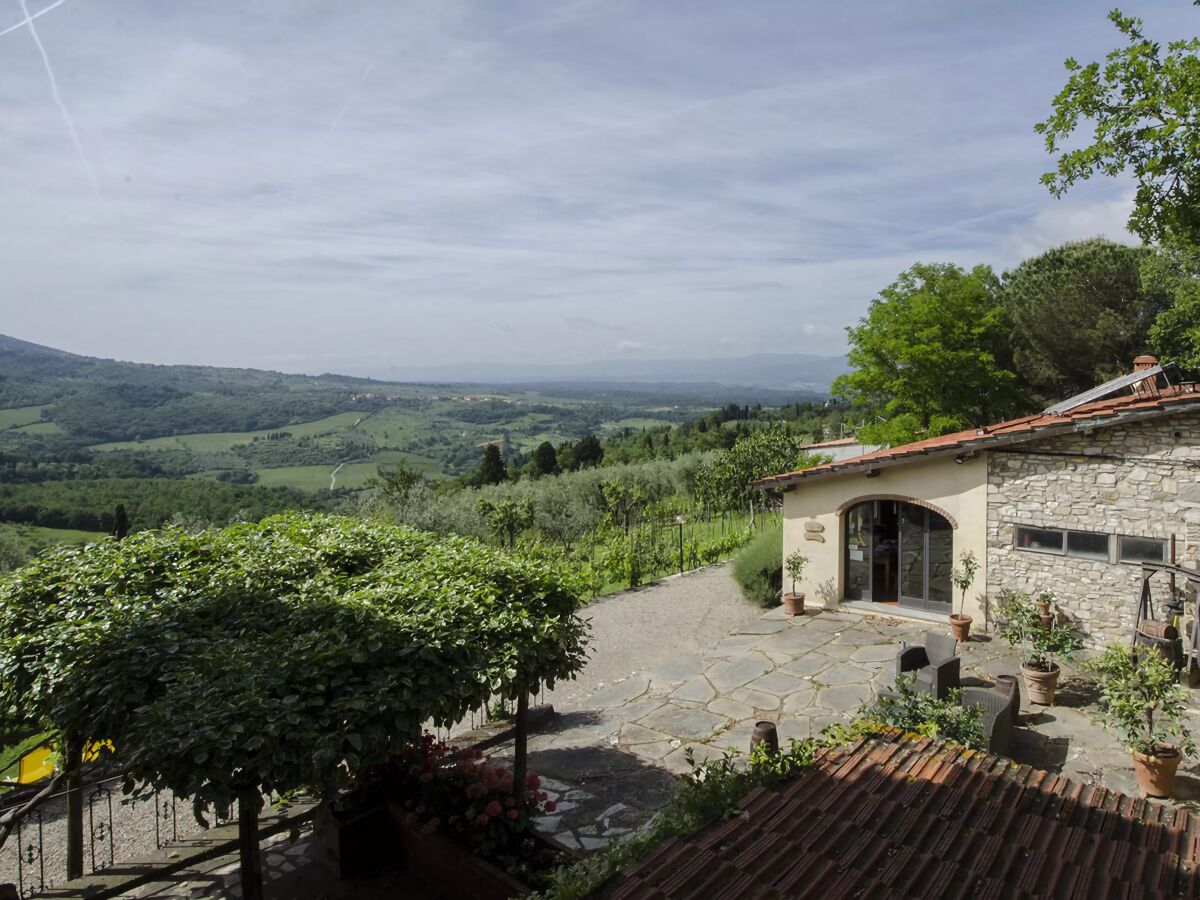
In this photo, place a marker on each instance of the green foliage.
(396, 484)
(1022, 626)
(545, 460)
(963, 575)
(933, 355)
(1080, 314)
(795, 565)
(491, 468)
(268, 657)
(916, 711)
(12, 551)
(1175, 335)
(1144, 105)
(506, 518)
(758, 568)
(1141, 699)
(723, 482)
(707, 793)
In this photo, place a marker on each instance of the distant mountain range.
(780, 371)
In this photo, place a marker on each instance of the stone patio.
(802, 673)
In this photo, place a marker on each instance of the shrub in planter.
(963, 576)
(436, 789)
(794, 565)
(1144, 705)
(1041, 642)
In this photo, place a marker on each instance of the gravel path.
(642, 629)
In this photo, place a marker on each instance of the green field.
(316, 478)
(33, 538)
(40, 428)
(20, 415)
(221, 442)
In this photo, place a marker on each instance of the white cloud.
(693, 182)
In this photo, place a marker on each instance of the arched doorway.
(898, 552)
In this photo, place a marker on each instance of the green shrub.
(758, 568)
(923, 714)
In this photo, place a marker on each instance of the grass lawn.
(34, 538)
(20, 415)
(219, 442)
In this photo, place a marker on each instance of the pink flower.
(493, 808)
(481, 819)
(550, 806)
(512, 814)
(533, 781)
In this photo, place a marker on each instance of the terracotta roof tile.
(1098, 414)
(895, 816)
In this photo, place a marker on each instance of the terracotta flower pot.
(1156, 774)
(960, 626)
(1041, 685)
(793, 604)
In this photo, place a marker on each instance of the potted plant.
(1041, 643)
(963, 576)
(1043, 602)
(793, 603)
(1143, 703)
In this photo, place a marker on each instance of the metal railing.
(115, 826)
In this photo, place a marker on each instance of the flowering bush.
(454, 791)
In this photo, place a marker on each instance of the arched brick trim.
(913, 500)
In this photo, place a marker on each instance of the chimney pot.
(1144, 362)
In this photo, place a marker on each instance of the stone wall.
(1140, 480)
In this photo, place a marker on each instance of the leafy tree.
(506, 518)
(624, 499)
(1175, 335)
(1080, 314)
(397, 484)
(722, 483)
(545, 459)
(933, 347)
(12, 554)
(1145, 108)
(588, 451)
(491, 469)
(272, 657)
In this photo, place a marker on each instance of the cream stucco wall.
(958, 490)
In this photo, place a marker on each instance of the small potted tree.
(1041, 643)
(1143, 703)
(794, 564)
(963, 576)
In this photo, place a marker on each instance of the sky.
(318, 186)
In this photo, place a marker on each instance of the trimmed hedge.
(758, 568)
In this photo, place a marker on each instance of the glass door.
(926, 557)
(860, 521)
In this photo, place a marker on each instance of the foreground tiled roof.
(1100, 414)
(898, 816)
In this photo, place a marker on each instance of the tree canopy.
(1144, 105)
(1080, 314)
(932, 355)
(258, 658)
(722, 482)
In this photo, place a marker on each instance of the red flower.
(512, 814)
(493, 808)
(533, 781)
(476, 790)
(481, 819)
(550, 806)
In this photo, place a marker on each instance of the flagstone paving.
(804, 674)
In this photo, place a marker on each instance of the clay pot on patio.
(1041, 685)
(960, 626)
(1156, 773)
(793, 604)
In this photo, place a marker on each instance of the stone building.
(1071, 500)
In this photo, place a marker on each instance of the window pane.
(1039, 539)
(912, 551)
(1087, 545)
(1135, 549)
(941, 560)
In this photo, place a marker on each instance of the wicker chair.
(934, 662)
(998, 716)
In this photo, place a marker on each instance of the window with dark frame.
(1140, 549)
(1089, 545)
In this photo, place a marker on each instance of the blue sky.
(317, 186)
